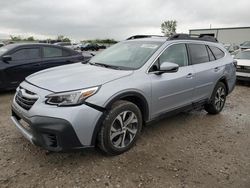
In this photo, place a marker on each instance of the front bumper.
(243, 76)
(55, 128)
(50, 133)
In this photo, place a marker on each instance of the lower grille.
(50, 140)
(25, 98)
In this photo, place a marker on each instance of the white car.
(243, 65)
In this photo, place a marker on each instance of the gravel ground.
(188, 150)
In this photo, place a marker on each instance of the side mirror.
(6, 58)
(167, 67)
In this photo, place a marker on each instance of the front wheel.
(217, 100)
(121, 128)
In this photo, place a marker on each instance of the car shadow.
(243, 83)
(7, 93)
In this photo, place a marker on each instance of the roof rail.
(142, 36)
(193, 37)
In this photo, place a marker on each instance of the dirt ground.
(189, 150)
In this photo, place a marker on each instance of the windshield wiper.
(105, 65)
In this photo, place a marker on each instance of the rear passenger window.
(66, 53)
(198, 53)
(27, 53)
(210, 54)
(52, 52)
(218, 53)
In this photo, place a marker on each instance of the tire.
(121, 128)
(217, 100)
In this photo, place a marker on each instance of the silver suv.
(105, 102)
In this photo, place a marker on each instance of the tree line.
(168, 28)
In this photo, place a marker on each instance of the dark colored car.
(88, 46)
(1, 44)
(100, 46)
(20, 60)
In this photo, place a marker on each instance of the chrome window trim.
(184, 42)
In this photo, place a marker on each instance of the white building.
(233, 35)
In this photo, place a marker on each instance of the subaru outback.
(105, 102)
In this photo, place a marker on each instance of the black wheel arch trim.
(108, 106)
(223, 79)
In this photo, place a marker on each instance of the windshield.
(127, 54)
(6, 48)
(243, 55)
(3, 50)
(247, 43)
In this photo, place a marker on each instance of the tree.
(63, 38)
(168, 28)
(15, 38)
(19, 38)
(101, 41)
(31, 38)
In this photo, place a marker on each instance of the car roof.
(165, 40)
(30, 44)
(15, 45)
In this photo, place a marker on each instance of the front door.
(24, 62)
(172, 90)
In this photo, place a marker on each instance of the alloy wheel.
(123, 129)
(220, 98)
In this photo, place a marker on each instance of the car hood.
(75, 76)
(243, 62)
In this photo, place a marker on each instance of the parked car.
(243, 65)
(89, 46)
(76, 46)
(65, 44)
(231, 48)
(106, 101)
(20, 60)
(1, 44)
(245, 45)
(101, 46)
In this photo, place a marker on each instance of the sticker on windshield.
(152, 46)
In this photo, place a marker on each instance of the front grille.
(25, 98)
(245, 69)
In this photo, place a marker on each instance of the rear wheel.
(121, 128)
(217, 100)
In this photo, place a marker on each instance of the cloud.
(118, 19)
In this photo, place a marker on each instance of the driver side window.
(176, 53)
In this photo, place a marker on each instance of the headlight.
(70, 98)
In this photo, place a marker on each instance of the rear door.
(172, 90)
(57, 56)
(207, 70)
(25, 61)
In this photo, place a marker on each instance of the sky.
(117, 19)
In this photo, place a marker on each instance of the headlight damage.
(71, 98)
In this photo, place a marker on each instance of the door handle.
(216, 69)
(190, 75)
